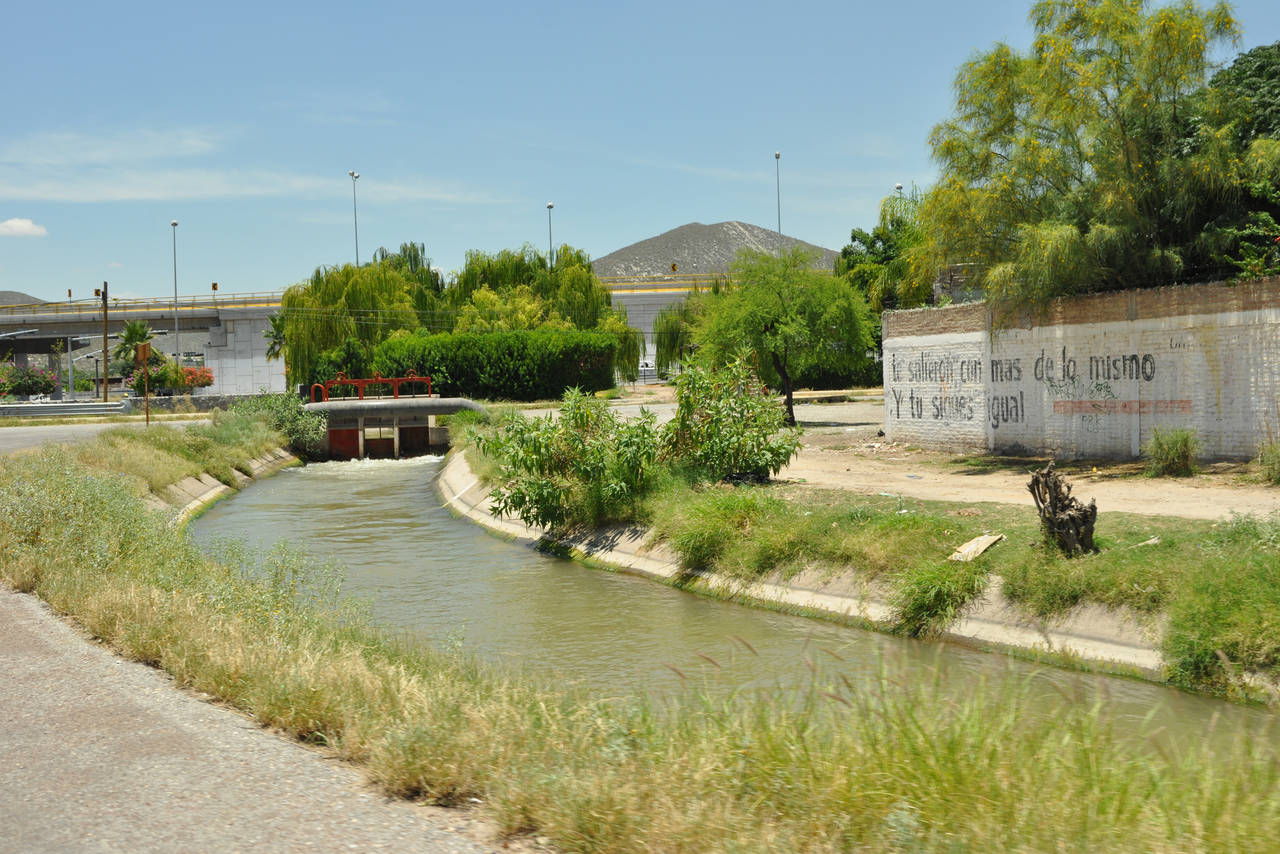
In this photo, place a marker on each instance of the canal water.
(448, 582)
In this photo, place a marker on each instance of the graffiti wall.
(1093, 376)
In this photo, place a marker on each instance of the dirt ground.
(842, 450)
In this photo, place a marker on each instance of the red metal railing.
(362, 384)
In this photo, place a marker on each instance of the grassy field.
(893, 767)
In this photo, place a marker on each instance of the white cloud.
(78, 149)
(115, 265)
(138, 165)
(125, 185)
(19, 227)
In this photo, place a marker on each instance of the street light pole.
(777, 177)
(177, 349)
(355, 217)
(551, 259)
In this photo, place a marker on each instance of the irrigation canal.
(447, 581)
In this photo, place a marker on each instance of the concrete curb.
(193, 495)
(1108, 637)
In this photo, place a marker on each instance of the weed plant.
(304, 431)
(587, 467)
(1269, 461)
(1172, 452)
(884, 767)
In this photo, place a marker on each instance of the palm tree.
(135, 332)
(275, 337)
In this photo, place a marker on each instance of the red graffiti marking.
(1122, 407)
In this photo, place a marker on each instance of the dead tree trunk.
(1066, 522)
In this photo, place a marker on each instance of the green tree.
(877, 262)
(673, 328)
(1247, 93)
(791, 317)
(365, 304)
(1083, 164)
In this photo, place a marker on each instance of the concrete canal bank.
(1105, 638)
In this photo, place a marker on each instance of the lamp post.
(551, 260)
(355, 218)
(177, 348)
(777, 179)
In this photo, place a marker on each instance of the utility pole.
(105, 364)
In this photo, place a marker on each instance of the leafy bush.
(26, 380)
(305, 431)
(727, 426)
(1172, 453)
(529, 365)
(168, 376)
(585, 466)
(588, 466)
(1269, 459)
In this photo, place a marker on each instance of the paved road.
(17, 438)
(99, 754)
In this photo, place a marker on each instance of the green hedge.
(536, 365)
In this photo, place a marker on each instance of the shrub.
(168, 376)
(586, 466)
(531, 365)
(726, 426)
(1269, 459)
(305, 431)
(1172, 452)
(26, 380)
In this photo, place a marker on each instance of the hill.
(696, 248)
(18, 298)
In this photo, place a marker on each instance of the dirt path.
(103, 755)
(842, 451)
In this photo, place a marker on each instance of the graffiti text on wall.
(1060, 367)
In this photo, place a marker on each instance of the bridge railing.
(264, 299)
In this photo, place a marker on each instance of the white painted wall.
(1089, 389)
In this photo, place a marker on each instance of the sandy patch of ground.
(842, 450)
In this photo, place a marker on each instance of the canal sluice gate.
(388, 427)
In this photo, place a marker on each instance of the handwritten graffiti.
(1007, 409)
(938, 407)
(944, 369)
(1123, 367)
(1006, 370)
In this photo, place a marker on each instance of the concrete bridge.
(227, 330)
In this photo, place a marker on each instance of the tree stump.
(1066, 522)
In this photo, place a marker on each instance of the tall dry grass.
(893, 767)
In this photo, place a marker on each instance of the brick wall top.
(1171, 301)
(970, 317)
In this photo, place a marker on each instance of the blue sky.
(241, 122)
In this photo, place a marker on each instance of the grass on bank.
(158, 456)
(889, 767)
(1216, 586)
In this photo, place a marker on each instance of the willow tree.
(673, 327)
(1083, 164)
(343, 304)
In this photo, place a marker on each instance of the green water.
(446, 581)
